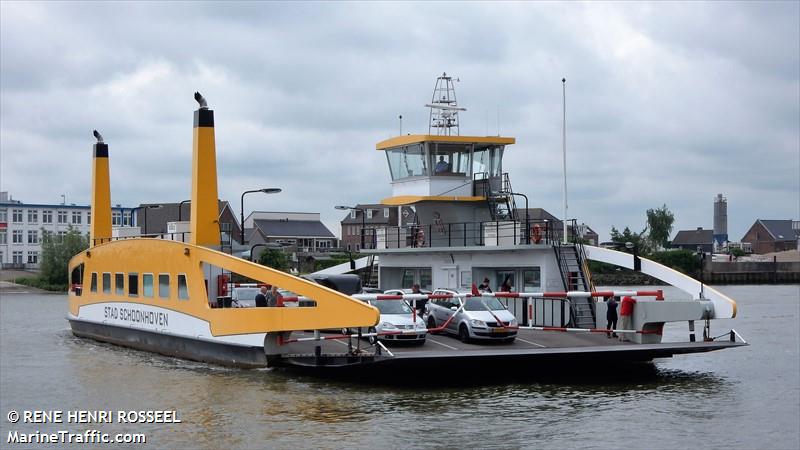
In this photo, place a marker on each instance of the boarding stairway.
(499, 197)
(575, 277)
(369, 275)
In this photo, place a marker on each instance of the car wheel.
(463, 333)
(372, 339)
(432, 325)
(510, 340)
(421, 342)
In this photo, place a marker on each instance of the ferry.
(460, 225)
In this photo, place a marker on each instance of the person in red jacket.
(626, 316)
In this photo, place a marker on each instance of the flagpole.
(564, 149)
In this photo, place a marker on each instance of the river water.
(738, 398)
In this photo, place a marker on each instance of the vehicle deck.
(530, 348)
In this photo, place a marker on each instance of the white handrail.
(724, 306)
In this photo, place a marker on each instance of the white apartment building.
(22, 227)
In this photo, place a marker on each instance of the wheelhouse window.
(451, 159)
(93, 285)
(163, 285)
(119, 283)
(487, 159)
(106, 283)
(183, 288)
(133, 284)
(407, 161)
(147, 285)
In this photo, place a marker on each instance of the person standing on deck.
(611, 315)
(261, 298)
(274, 298)
(626, 316)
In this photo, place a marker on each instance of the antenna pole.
(401, 124)
(564, 149)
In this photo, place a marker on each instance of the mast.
(444, 108)
(564, 149)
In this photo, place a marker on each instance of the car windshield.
(476, 304)
(246, 293)
(392, 306)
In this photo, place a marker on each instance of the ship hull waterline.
(494, 358)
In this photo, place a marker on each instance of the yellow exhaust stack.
(205, 225)
(100, 229)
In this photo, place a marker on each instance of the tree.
(660, 221)
(638, 239)
(56, 253)
(274, 258)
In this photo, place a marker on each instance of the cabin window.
(147, 284)
(531, 279)
(119, 283)
(451, 159)
(163, 285)
(183, 289)
(385, 213)
(488, 159)
(407, 161)
(106, 283)
(133, 284)
(93, 285)
(76, 279)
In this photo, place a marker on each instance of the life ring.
(536, 231)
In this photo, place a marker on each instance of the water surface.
(738, 398)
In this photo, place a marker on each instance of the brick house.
(767, 236)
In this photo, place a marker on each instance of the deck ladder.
(574, 275)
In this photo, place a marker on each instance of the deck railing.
(463, 234)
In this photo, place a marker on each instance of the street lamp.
(363, 218)
(180, 209)
(266, 191)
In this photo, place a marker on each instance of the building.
(23, 225)
(767, 236)
(295, 232)
(694, 239)
(373, 217)
(154, 218)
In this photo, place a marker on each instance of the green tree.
(274, 258)
(56, 253)
(638, 239)
(682, 260)
(659, 222)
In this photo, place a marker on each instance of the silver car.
(481, 318)
(396, 316)
(420, 304)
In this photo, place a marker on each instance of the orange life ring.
(536, 231)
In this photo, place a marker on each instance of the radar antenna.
(444, 107)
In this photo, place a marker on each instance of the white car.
(396, 316)
(478, 318)
(244, 297)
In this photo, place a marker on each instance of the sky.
(666, 103)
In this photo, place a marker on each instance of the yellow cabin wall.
(333, 310)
